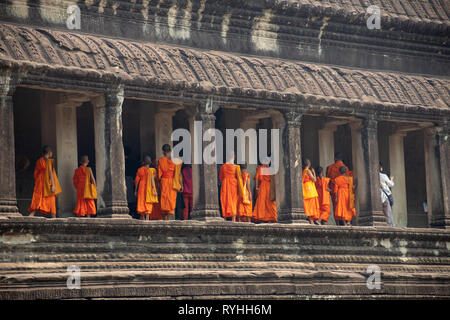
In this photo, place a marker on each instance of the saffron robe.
(245, 202)
(265, 209)
(324, 197)
(352, 193)
(310, 196)
(333, 173)
(81, 182)
(342, 185)
(146, 195)
(166, 173)
(43, 200)
(228, 190)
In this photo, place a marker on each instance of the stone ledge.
(193, 259)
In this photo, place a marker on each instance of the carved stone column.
(437, 159)
(109, 154)
(397, 166)
(326, 144)
(289, 186)
(8, 201)
(365, 154)
(59, 130)
(163, 127)
(205, 188)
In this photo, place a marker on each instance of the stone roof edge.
(108, 77)
(412, 24)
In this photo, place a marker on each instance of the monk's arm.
(51, 179)
(136, 183)
(309, 173)
(93, 179)
(154, 185)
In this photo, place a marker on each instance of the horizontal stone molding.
(145, 64)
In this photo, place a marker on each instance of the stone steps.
(190, 260)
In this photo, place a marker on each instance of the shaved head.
(147, 160)
(84, 159)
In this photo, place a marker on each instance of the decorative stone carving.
(205, 183)
(109, 154)
(8, 202)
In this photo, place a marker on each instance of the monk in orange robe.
(265, 208)
(145, 189)
(245, 202)
(323, 191)
(333, 173)
(46, 185)
(353, 183)
(342, 187)
(229, 189)
(167, 179)
(156, 210)
(310, 196)
(85, 199)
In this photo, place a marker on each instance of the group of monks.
(166, 179)
(236, 196)
(47, 187)
(156, 190)
(338, 185)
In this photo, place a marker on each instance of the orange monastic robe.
(245, 203)
(265, 209)
(352, 193)
(310, 196)
(228, 190)
(156, 212)
(341, 189)
(39, 202)
(84, 206)
(166, 173)
(324, 197)
(142, 177)
(333, 173)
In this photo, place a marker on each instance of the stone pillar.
(8, 202)
(366, 169)
(289, 177)
(66, 153)
(59, 131)
(146, 129)
(326, 154)
(397, 166)
(163, 127)
(437, 158)
(326, 145)
(109, 154)
(204, 176)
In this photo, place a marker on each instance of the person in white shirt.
(386, 183)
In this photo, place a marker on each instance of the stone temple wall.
(191, 259)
